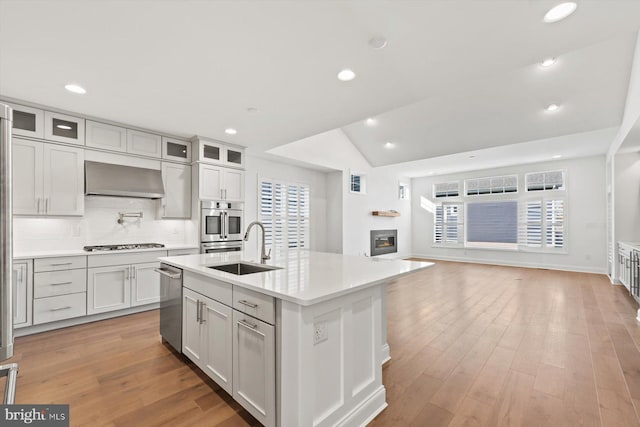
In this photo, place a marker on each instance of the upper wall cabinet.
(116, 138)
(109, 137)
(28, 121)
(49, 179)
(143, 143)
(63, 128)
(218, 153)
(176, 150)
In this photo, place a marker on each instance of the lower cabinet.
(206, 338)
(234, 349)
(254, 367)
(122, 286)
(22, 293)
(108, 289)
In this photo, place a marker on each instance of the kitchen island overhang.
(329, 329)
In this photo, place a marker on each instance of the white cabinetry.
(207, 337)
(108, 137)
(59, 288)
(219, 183)
(176, 150)
(177, 188)
(116, 138)
(219, 153)
(27, 121)
(254, 365)
(144, 144)
(109, 288)
(145, 284)
(48, 179)
(118, 281)
(22, 293)
(63, 128)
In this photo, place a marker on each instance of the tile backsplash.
(98, 226)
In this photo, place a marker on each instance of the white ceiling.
(194, 67)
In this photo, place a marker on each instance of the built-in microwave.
(221, 221)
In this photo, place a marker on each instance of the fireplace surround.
(383, 242)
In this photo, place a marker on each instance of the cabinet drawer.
(212, 288)
(58, 308)
(51, 283)
(124, 259)
(254, 303)
(60, 263)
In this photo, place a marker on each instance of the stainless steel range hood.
(106, 179)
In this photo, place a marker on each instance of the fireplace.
(384, 242)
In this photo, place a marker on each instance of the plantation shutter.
(284, 211)
(449, 223)
(554, 223)
(531, 224)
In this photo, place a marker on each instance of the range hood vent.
(106, 179)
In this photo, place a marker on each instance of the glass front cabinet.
(176, 150)
(218, 153)
(28, 121)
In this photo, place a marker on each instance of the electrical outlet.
(320, 332)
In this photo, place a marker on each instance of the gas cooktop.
(123, 247)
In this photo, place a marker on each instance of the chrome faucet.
(263, 256)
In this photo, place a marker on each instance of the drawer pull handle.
(61, 308)
(253, 328)
(61, 283)
(61, 263)
(248, 304)
(248, 324)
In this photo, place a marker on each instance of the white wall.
(627, 201)
(259, 167)
(382, 195)
(98, 226)
(586, 212)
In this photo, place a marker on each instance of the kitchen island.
(299, 344)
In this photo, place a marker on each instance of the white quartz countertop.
(77, 252)
(305, 277)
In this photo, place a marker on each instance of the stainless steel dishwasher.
(171, 305)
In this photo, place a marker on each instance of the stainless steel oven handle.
(167, 273)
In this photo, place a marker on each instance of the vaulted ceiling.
(455, 76)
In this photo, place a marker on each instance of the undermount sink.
(240, 268)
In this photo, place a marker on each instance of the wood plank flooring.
(471, 345)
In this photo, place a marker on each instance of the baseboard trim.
(572, 268)
(364, 413)
(44, 327)
(386, 353)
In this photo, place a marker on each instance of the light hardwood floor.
(472, 345)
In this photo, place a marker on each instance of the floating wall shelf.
(385, 213)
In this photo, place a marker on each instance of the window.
(541, 181)
(542, 223)
(446, 189)
(495, 185)
(492, 224)
(449, 224)
(284, 211)
(403, 191)
(357, 183)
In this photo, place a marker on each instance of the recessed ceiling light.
(230, 131)
(548, 62)
(559, 12)
(389, 144)
(378, 42)
(557, 156)
(75, 88)
(64, 127)
(346, 75)
(552, 107)
(371, 121)
(252, 110)
(472, 156)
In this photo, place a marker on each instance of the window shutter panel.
(554, 229)
(531, 224)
